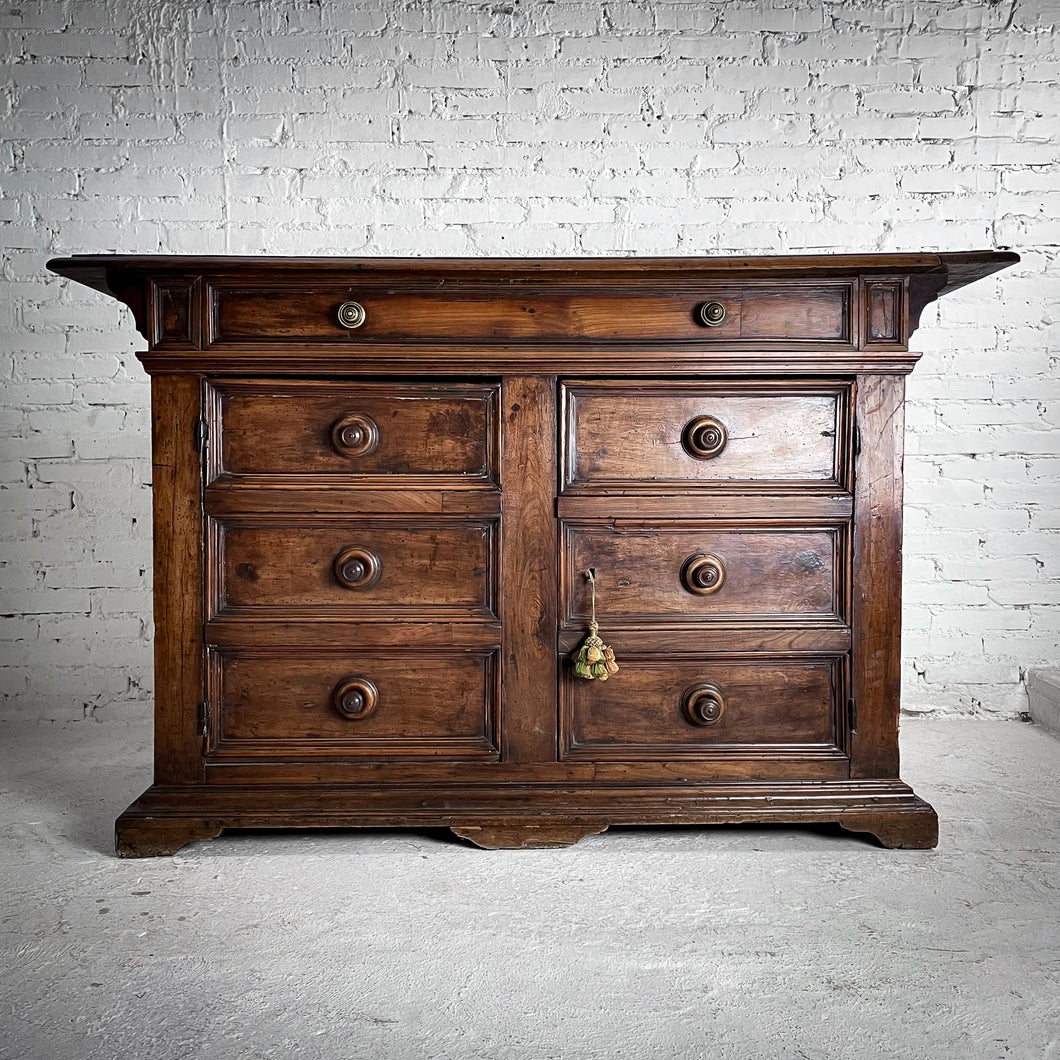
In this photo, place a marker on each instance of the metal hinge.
(202, 433)
(857, 440)
(204, 719)
(852, 715)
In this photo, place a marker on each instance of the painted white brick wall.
(526, 127)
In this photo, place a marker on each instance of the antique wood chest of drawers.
(379, 486)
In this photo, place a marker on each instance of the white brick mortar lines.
(529, 128)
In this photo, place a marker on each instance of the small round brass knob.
(703, 703)
(703, 574)
(354, 434)
(357, 568)
(712, 314)
(704, 437)
(351, 315)
(355, 697)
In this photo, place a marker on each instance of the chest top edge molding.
(693, 312)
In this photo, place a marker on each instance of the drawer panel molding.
(652, 436)
(368, 569)
(697, 573)
(706, 706)
(359, 433)
(377, 703)
(717, 314)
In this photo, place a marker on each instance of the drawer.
(655, 435)
(719, 314)
(703, 705)
(362, 703)
(368, 433)
(687, 573)
(350, 568)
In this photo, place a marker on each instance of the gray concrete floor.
(724, 943)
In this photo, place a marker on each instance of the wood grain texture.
(176, 311)
(427, 569)
(953, 268)
(795, 312)
(162, 815)
(877, 576)
(529, 593)
(274, 705)
(443, 360)
(738, 635)
(178, 578)
(914, 829)
(332, 629)
(772, 701)
(634, 435)
(233, 495)
(885, 317)
(445, 430)
(528, 834)
(152, 837)
(770, 574)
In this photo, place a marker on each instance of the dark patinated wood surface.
(444, 431)
(626, 435)
(877, 576)
(411, 567)
(766, 573)
(178, 578)
(379, 484)
(647, 714)
(529, 579)
(273, 705)
(796, 312)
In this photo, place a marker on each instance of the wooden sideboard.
(379, 485)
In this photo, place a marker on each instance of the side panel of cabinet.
(176, 402)
(877, 576)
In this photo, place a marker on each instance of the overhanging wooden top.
(954, 269)
(509, 315)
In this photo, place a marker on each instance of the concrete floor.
(642, 944)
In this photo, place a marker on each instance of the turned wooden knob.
(357, 568)
(703, 574)
(355, 697)
(354, 434)
(704, 437)
(703, 703)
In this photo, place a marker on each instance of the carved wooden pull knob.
(703, 574)
(354, 434)
(705, 437)
(357, 568)
(712, 314)
(355, 697)
(703, 703)
(351, 315)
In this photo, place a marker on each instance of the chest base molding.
(164, 819)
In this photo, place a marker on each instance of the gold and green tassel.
(594, 660)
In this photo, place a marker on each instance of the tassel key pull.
(594, 660)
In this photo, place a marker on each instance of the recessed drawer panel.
(702, 706)
(654, 435)
(362, 432)
(684, 573)
(365, 703)
(718, 314)
(351, 568)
